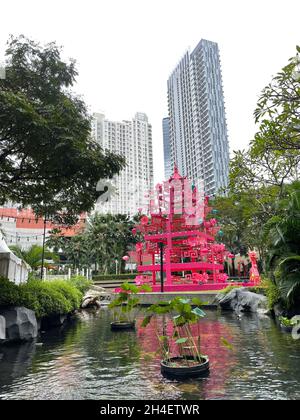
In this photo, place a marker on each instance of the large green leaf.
(198, 312)
(181, 340)
(226, 343)
(146, 321)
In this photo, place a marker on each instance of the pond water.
(86, 360)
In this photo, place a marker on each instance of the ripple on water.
(88, 361)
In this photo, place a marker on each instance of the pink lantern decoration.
(144, 220)
(139, 246)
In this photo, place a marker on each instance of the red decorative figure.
(254, 274)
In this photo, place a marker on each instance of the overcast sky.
(126, 49)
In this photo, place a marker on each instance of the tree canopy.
(263, 177)
(273, 158)
(107, 238)
(48, 159)
(278, 109)
(34, 255)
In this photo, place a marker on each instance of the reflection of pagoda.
(192, 260)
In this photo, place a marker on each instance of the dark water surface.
(85, 360)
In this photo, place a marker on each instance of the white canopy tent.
(12, 267)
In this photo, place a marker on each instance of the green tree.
(259, 169)
(242, 218)
(107, 238)
(282, 235)
(48, 159)
(33, 256)
(75, 249)
(273, 158)
(278, 109)
(261, 177)
(110, 237)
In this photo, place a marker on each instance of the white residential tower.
(132, 139)
(197, 123)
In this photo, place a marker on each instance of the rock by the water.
(242, 300)
(21, 324)
(2, 328)
(279, 310)
(52, 321)
(90, 301)
(95, 298)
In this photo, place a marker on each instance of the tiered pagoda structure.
(178, 239)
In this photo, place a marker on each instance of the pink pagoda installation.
(178, 240)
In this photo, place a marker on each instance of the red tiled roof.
(26, 219)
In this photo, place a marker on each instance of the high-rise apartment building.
(198, 132)
(167, 147)
(132, 139)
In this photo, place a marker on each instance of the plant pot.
(184, 372)
(117, 326)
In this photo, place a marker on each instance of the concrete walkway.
(155, 297)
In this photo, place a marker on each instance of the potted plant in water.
(181, 349)
(124, 306)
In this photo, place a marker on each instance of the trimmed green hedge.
(112, 277)
(81, 283)
(9, 293)
(45, 298)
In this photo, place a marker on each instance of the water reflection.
(86, 360)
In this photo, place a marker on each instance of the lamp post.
(43, 251)
(161, 247)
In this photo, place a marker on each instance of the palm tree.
(110, 237)
(106, 239)
(33, 256)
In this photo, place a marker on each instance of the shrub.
(287, 322)
(9, 293)
(228, 289)
(113, 277)
(68, 290)
(44, 299)
(261, 290)
(272, 293)
(81, 283)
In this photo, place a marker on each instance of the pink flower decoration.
(125, 258)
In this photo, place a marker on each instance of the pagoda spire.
(176, 174)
